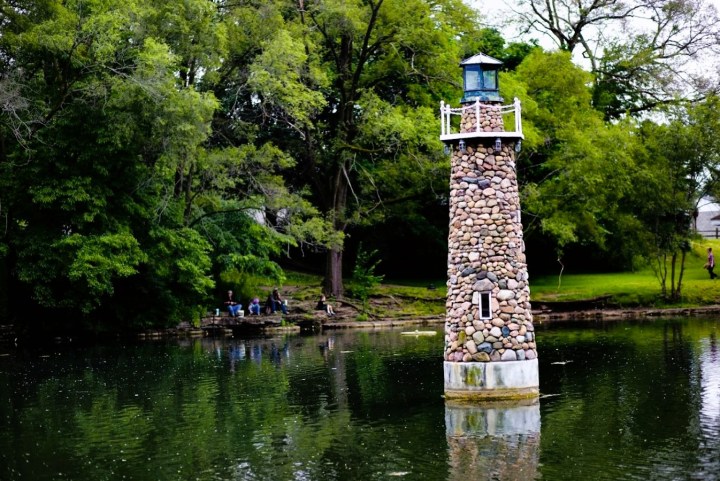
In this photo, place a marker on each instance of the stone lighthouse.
(490, 350)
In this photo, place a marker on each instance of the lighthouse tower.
(490, 346)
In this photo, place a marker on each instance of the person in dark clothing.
(278, 302)
(269, 304)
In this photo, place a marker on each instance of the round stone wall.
(486, 256)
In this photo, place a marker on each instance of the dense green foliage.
(114, 193)
(364, 279)
(153, 154)
(350, 91)
(150, 150)
(624, 191)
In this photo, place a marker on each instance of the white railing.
(446, 113)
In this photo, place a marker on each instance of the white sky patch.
(500, 14)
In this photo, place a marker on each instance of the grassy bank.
(408, 298)
(640, 288)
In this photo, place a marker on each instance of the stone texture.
(478, 337)
(509, 355)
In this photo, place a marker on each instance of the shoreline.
(545, 315)
(540, 316)
(608, 314)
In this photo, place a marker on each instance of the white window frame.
(485, 304)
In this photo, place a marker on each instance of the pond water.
(618, 401)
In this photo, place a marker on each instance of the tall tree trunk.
(678, 290)
(4, 294)
(350, 67)
(333, 266)
(188, 195)
(672, 274)
(682, 272)
(334, 273)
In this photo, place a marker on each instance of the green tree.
(625, 189)
(83, 182)
(683, 165)
(576, 170)
(118, 205)
(364, 278)
(350, 90)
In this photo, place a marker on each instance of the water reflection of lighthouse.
(493, 441)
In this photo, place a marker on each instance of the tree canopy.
(150, 150)
(349, 89)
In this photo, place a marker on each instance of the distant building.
(707, 223)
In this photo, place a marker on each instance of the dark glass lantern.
(480, 79)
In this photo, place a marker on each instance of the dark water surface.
(619, 401)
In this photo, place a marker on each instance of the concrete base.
(491, 380)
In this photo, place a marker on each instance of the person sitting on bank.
(278, 302)
(234, 308)
(269, 305)
(254, 306)
(322, 305)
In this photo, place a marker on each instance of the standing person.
(322, 305)
(233, 307)
(711, 263)
(278, 302)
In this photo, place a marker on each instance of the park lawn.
(640, 288)
(628, 289)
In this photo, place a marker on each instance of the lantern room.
(480, 79)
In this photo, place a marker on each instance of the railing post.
(448, 114)
(518, 121)
(442, 117)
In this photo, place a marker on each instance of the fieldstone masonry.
(486, 251)
(490, 119)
